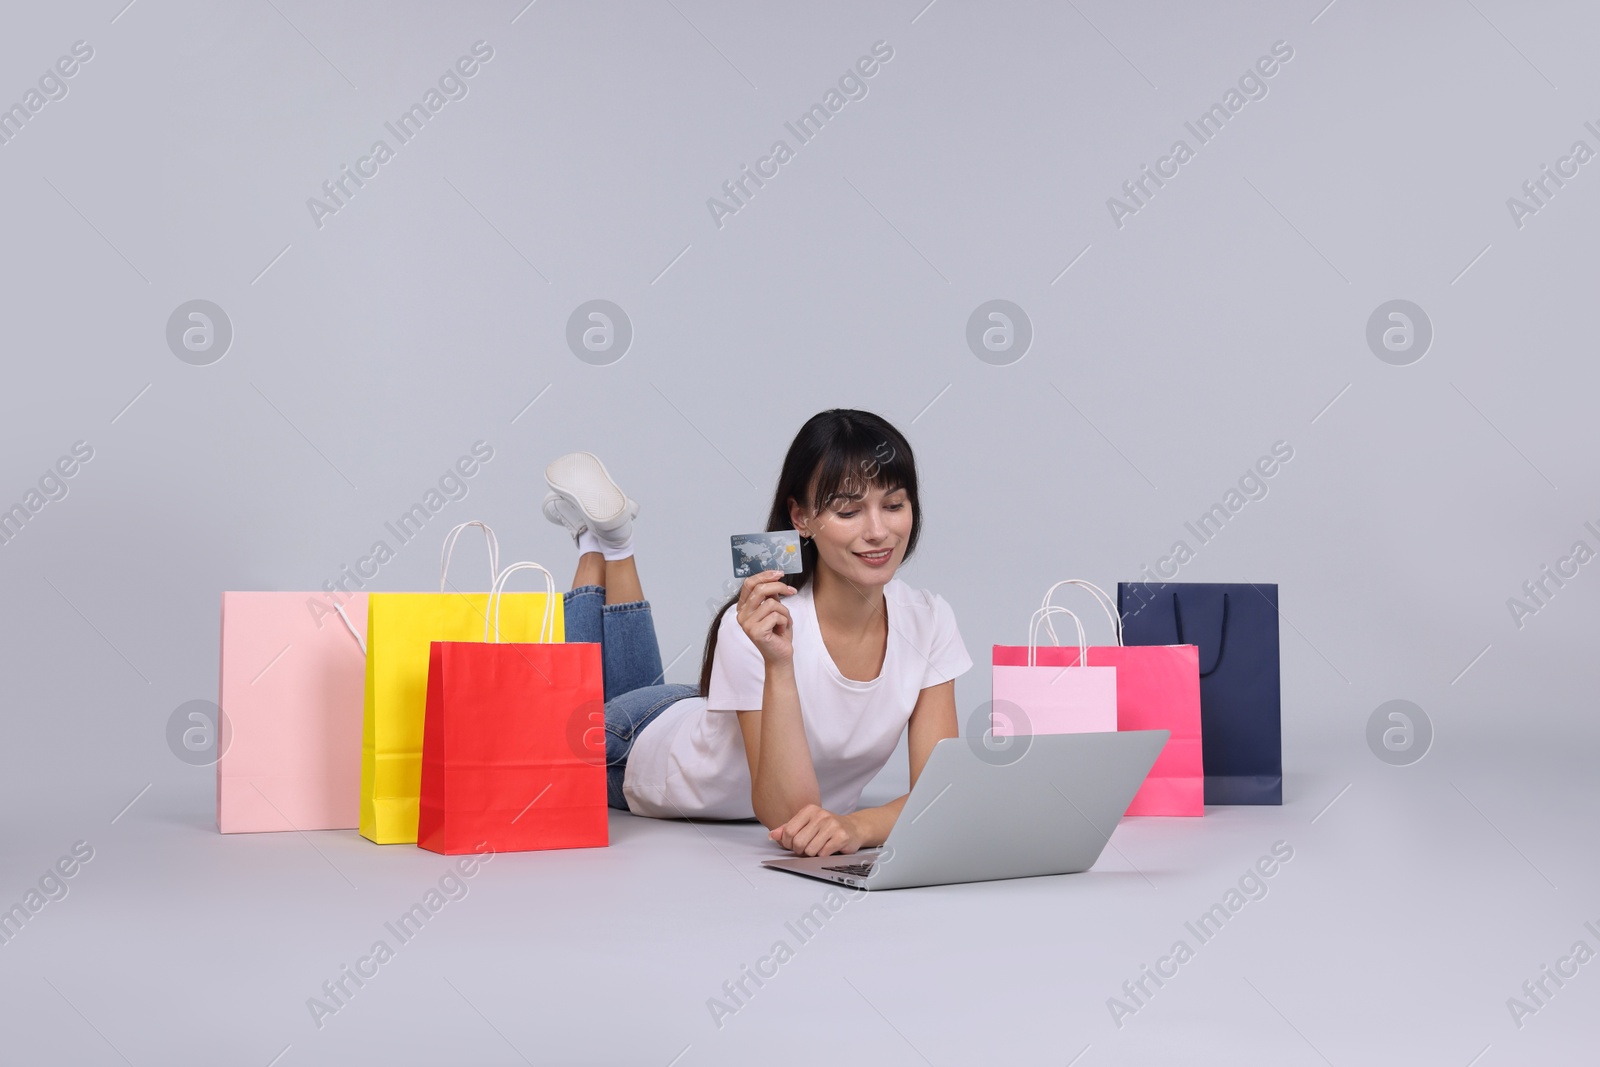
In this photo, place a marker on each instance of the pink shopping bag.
(293, 670)
(1158, 688)
(1034, 698)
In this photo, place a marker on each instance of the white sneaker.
(561, 511)
(582, 481)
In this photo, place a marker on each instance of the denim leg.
(626, 633)
(632, 654)
(582, 611)
(627, 714)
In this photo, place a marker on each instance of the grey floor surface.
(1418, 900)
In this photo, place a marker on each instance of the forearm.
(785, 779)
(872, 825)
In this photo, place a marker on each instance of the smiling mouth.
(876, 557)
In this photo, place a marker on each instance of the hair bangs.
(856, 461)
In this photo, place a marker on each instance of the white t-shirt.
(690, 762)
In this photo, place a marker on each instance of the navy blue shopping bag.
(1241, 705)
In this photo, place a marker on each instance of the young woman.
(807, 685)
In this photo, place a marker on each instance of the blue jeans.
(631, 662)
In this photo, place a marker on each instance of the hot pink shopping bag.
(1158, 688)
(293, 670)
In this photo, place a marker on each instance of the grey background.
(1228, 314)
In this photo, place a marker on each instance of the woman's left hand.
(816, 831)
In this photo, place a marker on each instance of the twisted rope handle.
(547, 629)
(348, 625)
(1033, 634)
(449, 549)
(1100, 595)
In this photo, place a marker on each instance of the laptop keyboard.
(858, 869)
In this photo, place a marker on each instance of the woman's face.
(860, 536)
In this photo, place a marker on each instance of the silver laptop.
(1049, 811)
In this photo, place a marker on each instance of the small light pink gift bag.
(1052, 700)
(293, 672)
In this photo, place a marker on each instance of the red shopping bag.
(513, 742)
(1158, 688)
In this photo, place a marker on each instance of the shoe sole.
(583, 479)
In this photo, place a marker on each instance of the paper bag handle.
(1222, 633)
(1100, 595)
(449, 549)
(1033, 634)
(348, 625)
(547, 629)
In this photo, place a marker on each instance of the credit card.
(777, 550)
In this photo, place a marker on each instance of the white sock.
(617, 549)
(589, 542)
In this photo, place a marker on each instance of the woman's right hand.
(764, 618)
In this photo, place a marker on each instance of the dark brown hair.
(837, 452)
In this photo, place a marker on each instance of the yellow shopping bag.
(400, 630)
